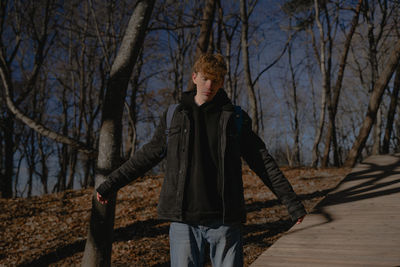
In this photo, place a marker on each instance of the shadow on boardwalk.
(371, 176)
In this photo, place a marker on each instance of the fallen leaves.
(51, 229)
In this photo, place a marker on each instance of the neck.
(199, 100)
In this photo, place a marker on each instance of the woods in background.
(319, 78)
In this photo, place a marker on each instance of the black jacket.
(232, 147)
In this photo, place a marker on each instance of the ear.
(194, 75)
(222, 83)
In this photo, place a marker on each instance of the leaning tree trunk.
(373, 105)
(100, 236)
(391, 112)
(376, 147)
(246, 65)
(205, 33)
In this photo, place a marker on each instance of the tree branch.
(42, 130)
(275, 61)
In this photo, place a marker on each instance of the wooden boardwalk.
(357, 224)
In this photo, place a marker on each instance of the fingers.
(299, 220)
(101, 199)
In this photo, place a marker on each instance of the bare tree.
(229, 32)
(324, 60)
(333, 104)
(100, 236)
(391, 112)
(375, 100)
(246, 64)
(22, 17)
(206, 27)
(375, 35)
(182, 39)
(41, 129)
(296, 146)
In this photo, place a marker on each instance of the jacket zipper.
(185, 133)
(224, 123)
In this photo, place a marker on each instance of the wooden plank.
(306, 262)
(364, 229)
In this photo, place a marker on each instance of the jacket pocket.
(174, 130)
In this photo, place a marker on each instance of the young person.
(202, 192)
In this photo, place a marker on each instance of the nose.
(209, 84)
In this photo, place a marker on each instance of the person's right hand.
(101, 199)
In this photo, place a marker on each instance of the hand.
(101, 199)
(299, 220)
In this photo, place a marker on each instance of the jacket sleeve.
(143, 160)
(256, 155)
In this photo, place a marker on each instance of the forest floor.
(51, 230)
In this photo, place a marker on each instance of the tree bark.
(6, 181)
(332, 109)
(375, 34)
(43, 163)
(391, 112)
(246, 66)
(376, 147)
(64, 154)
(228, 56)
(296, 145)
(205, 33)
(325, 87)
(99, 242)
(374, 102)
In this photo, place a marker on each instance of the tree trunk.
(228, 87)
(64, 155)
(296, 145)
(100, 236)
(72, 168)
(31, 159)
(332, 110)
(376, 147)
(228, 57)
(2, 157)
(43, 162)
(373, 105)
(89, 162)
(6, 182)
(205, 33)
(374, 36)
(391, 112)
(325, 88)
(132, 134)
(246, 66)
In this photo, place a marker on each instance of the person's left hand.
(299, 220)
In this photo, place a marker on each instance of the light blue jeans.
(187, 243)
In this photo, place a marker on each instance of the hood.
(220, 101)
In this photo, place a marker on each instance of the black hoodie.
(203, 194)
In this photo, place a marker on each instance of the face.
(206, 87)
